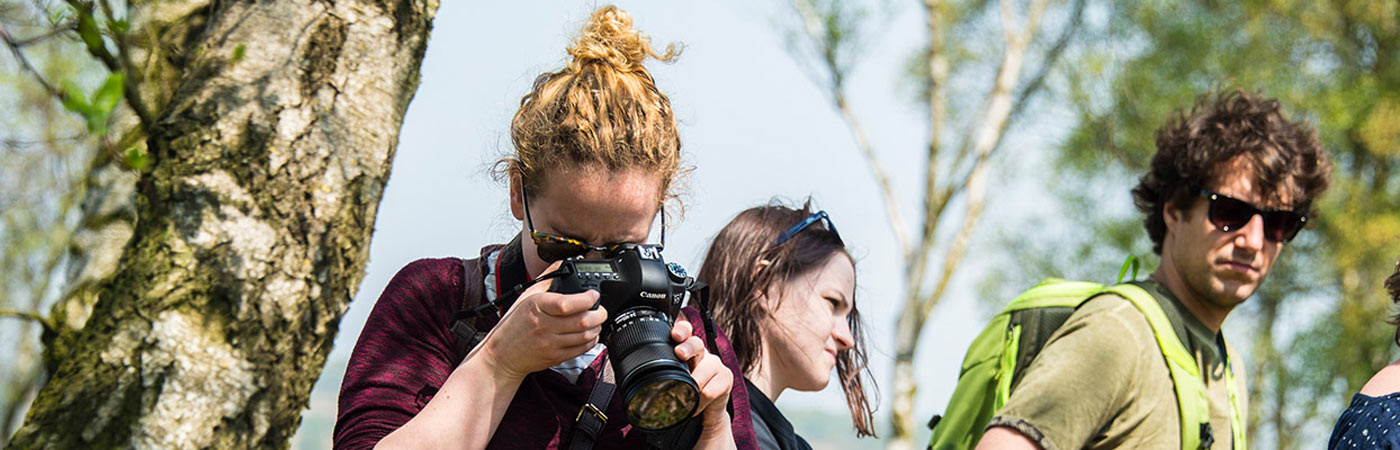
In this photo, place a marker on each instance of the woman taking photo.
(783, 290)
(596, 154)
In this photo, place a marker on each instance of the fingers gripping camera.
(643, 295)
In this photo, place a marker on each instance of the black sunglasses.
(1228, 214)
(552, 248)
(793, 230)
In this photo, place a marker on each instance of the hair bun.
(609, 37)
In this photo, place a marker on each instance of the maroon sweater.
(407, 350)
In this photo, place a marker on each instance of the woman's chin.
(814, 385)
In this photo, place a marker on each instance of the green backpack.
(997, 358)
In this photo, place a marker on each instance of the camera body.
(643, 295)
(630, 277)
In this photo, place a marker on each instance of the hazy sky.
(753, 125)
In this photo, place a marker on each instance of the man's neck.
(1210, 316)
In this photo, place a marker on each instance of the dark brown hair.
(1392, 286)
(1193, 147)
(603, 109)
(732, 270)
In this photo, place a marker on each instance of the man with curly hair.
(1232, 181)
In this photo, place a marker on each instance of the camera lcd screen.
(594, 267)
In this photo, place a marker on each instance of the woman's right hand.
(541, 330)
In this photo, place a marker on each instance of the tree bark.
(266, 171)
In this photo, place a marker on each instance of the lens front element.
(657, 388)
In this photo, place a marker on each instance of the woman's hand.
(541, 330)
(715, 381)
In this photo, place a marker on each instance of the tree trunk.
(266, 171)
(904, 424)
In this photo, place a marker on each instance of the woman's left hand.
(715, 381)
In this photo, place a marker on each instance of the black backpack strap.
(590, 419)
(464, 319)
(473, 308)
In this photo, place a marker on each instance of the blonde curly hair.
(601, 110)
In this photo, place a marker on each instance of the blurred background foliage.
(45, 154)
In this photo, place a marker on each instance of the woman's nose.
(842, 334)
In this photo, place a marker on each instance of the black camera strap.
(590, 419)
(701, 291)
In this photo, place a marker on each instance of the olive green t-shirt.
(1101, 380)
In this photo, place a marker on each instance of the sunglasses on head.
(793, 230)
(551, 248)
(1229, 214)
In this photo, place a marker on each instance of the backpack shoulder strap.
(994, 359)
(465, 326)
(1186, 375)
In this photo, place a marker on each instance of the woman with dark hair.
(783, 290)
(1375, 411)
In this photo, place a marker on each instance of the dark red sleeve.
(404, 354)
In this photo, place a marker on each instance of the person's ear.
(1172, 213)
(517, 200)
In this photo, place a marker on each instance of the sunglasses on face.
(551, 248)
(793, 230)
(1228, 214)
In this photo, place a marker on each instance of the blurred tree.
(1316, 330)
(47, 153)
(984, 62)
(253, 142)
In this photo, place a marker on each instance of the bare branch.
(57, 31)
(24, 62)
(13, 143)
(916, 261)
(817, 33)
(976, 199)
(1052, 57)
(27, 315)
(986, 136)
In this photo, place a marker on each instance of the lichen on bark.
(255, 217)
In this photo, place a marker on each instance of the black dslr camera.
(643, 295)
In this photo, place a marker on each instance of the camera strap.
(701, 291)
(590, 419)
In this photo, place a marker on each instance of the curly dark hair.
(1392, 286)
(1193, 147)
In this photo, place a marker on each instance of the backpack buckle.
(1207, 436)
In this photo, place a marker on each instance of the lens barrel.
(657, 389)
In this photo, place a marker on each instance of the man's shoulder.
(1112, 313)
(1104, 331)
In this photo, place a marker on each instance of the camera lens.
(658, 391)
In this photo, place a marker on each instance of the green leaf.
(120, 26)
(74, 100)
(87, 29)
(107, 97)
(239, 52)
(104, 100)
(137, 159)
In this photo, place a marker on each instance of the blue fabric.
(1368, 423)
